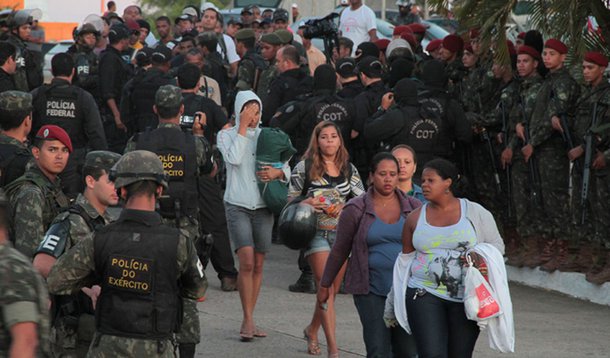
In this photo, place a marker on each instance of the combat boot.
(579, 259)
(561, 256)
(527, 246)
(304, 284)
(534, 256)
(603, 275)
(512, 239)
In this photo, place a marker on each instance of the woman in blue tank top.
(440, 234)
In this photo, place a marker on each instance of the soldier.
(85, 59)
(143, 267)
(114, 74)
(270, 44)
(292, 82)
(72, 316)
(36, 196)
(520, 108)
(73, 109)
(186, 157)
(589, 248)
(137, 104)
(556, 98)
(29, 71)
(24, 322)
(251, 65)
(450, 54)
(16, 124)
(8, 66)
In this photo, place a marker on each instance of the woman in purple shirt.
(370, 228)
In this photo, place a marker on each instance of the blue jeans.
(380, 341)
(440, 327)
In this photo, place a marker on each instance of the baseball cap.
(53, 132)
(370, 66)
(346, 67)
(161, 54)
(118, 32)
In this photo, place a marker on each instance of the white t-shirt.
(356, 24)
(232, 55)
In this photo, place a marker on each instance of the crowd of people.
(143, 160)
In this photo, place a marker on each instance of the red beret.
(400, 29)
(597, 58)
(556, 45)
(132, 25)
(408, 36)
(521, 36)
(453, 43)
(417, 28)
(474, 33)
(434, 45)
(511, 48)
(382, 44)
(53, 132)
(528, 50)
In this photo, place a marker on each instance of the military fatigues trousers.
(596, 228)
(554, 169)
(527, 216)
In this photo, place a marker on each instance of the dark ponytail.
(447, 170)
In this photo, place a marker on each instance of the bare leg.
(257, 277)
(326, 318)
(246, 287)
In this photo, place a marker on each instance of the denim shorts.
(249, 227)
(323, 241)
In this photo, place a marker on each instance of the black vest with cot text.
(137, 269)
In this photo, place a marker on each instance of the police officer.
(185, 158)
(24, 295)
(16, 124)
(138, 107)
(29, 72)
(8, 66)
(142, 266)
(73, 321)
(36, 196)
(251, 65)
(85, 59)
(73, 109)
(114, 74)
(351, 86)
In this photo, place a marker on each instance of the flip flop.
(259, 333)
(313, 347)
(246, 336)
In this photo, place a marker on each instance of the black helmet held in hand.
(297, 225)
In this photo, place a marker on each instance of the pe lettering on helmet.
(130, 273)
(200, 268)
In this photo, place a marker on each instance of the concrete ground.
(547, 324)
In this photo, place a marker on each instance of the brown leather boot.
(512, 239)
(578, 260)
(544, 253)
(561, 256)
(517, 257)
(603, 275)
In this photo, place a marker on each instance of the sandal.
(245, 336)
(259, 333)
(313, 347)
(333, 355)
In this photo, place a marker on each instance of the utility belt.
(171, 208)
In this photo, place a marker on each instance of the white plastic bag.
(480, 300)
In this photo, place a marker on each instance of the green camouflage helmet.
(15, 101)
(101, 159)
(137, 166)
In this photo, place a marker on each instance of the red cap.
(434, 45)
(382, 44)
(53, 132)
(597, 58)
(528, 50)
(511, 48)
(556, 45)
(521, 36)
(474, 33)
(398, 30)
(410, 38)
(453, 43)
(417, 28)
(132, 25)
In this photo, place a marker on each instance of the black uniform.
(73, 109)
(6, 81)
(86, 63)
(29, 72)
(351, 89)
(286, 87)
(114, 74)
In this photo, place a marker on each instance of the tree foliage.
(561, 19)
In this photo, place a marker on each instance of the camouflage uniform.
(73, 320)
(557, 96)
(23, 298)
(456, 72)
(251, 65)
(36, 201)
(10, 169)
(169, 95)
(77, 268)
(269, 73)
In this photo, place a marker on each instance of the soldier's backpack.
(13, 161)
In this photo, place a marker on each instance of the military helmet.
(404, 3)
(19, 18)
(88, 29)
(137, 166)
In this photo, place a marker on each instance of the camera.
(188, 121)
(321, 28)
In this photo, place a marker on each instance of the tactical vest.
(428, 134)
(178, 154)
(145, 87)
(13, 160)
(138, 271)
(60, 104)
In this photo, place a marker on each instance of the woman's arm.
(408, 230)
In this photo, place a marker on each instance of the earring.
(446, 191)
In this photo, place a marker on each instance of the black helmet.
(297, 225)
(88, 29)
(19, 18)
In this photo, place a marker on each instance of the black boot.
(305, 284)
(187, 350)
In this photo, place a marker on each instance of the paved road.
(547, 324)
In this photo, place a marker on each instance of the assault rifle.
(533, 172)
(507, 169)
(567, 137)
(586, 173)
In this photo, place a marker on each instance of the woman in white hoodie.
(248, 219)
